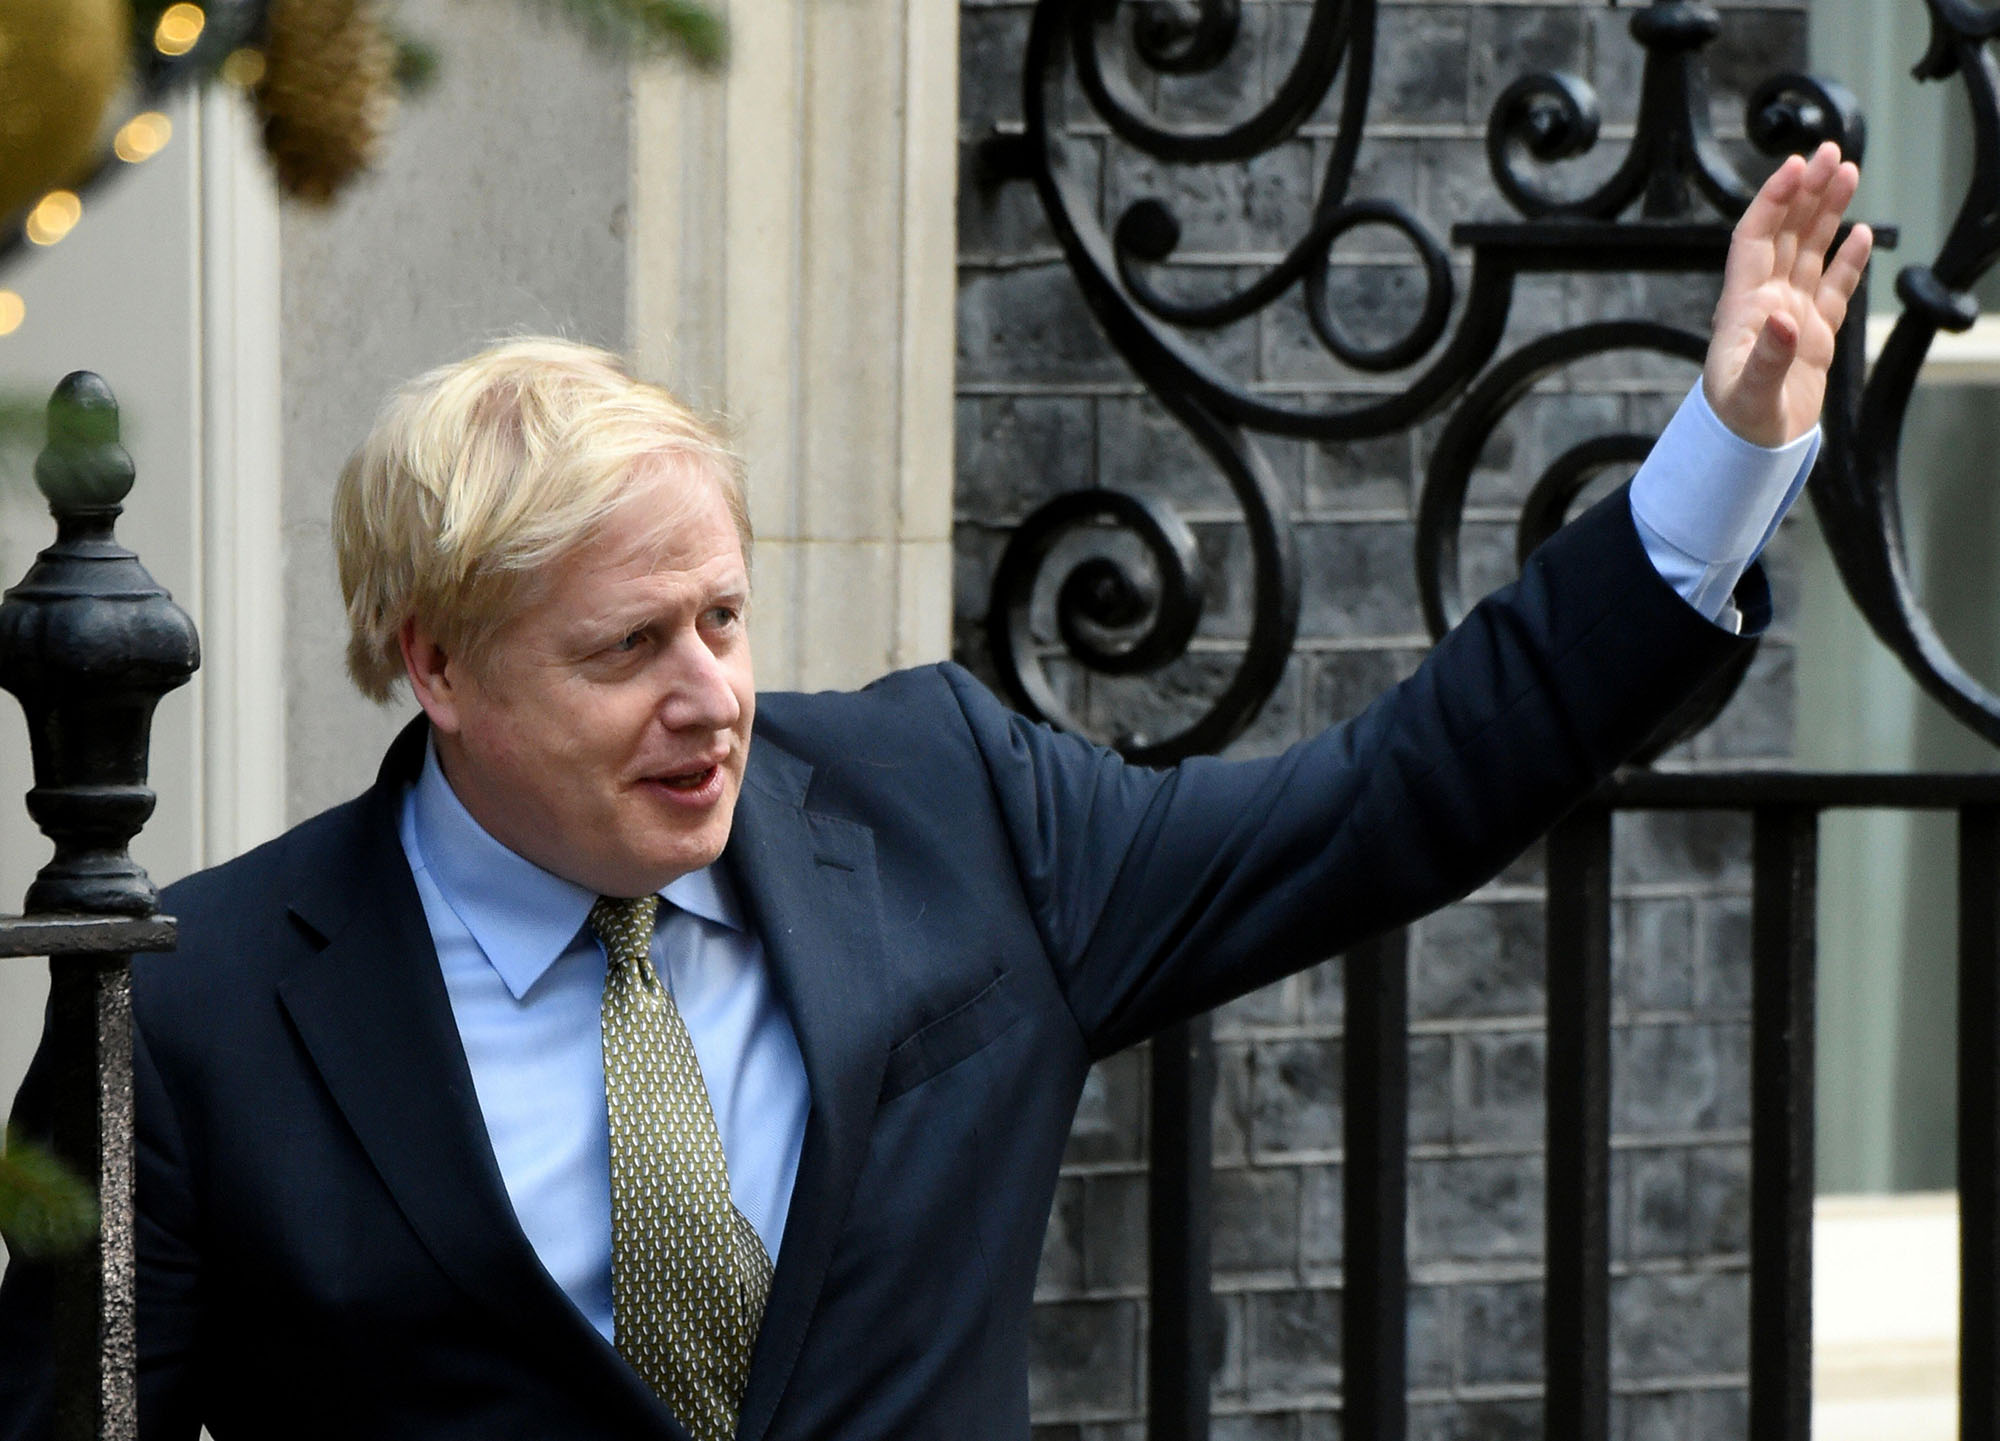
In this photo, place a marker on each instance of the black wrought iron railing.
(1666, 208)
(1784, 809)
(89, 642)
(1062, 596)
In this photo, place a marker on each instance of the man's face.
(604, 734)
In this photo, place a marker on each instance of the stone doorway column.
(792, 266)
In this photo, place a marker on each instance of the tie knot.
(625, 927)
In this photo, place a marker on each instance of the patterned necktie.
(689, 1274)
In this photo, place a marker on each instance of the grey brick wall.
(1044, 406)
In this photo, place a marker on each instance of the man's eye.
(631, 642)
(722, 617)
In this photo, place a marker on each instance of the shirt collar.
(708, 894)
(522, 916)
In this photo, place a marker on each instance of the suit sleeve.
(167, 1274)
(1159, 894)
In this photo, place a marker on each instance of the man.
(604, 1072)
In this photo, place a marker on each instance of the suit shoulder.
(928, 734)
(233, 919)
(886, 716)
(934, 731)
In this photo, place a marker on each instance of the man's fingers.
(1822, 167)
(1764, 368)
(1836, 287)
(1824, 225)
(1772, 202)
(1789, 243)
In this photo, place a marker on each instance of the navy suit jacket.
(962, 911)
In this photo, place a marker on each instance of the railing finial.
(89, 642)
(83, 467)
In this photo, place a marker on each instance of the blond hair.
(479, 475)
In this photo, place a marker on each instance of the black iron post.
(1785, 854)
(89, 642)
(1374, 1176)
(1576, 1337)
(1978, 1121)
(1180, 1348)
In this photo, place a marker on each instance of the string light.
(12, 312)
(54, 217)
(179, 28)
(244, 67)
(142, 137)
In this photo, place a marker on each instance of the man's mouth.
(692, 780)
(700, 786)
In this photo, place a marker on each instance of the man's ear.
(433, 673)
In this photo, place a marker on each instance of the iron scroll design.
(1855, 489)
(1664, 208)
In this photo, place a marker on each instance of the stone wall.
(1044, 405)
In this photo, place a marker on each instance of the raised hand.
(1783, 300)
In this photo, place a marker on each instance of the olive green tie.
(689, 1274)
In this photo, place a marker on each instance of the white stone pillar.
(792, 265)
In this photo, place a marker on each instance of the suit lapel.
(373, 1014)
(810, 883)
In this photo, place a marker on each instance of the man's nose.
(699, 695)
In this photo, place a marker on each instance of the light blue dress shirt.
(1707, 502)
(526, 980)
(526, 983)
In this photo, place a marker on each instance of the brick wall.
(1044, 406)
